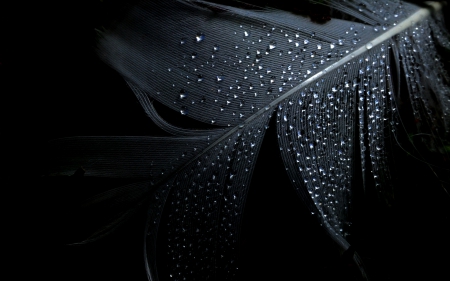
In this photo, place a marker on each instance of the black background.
(54, 86)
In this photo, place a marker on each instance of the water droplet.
(369, 46)
(182, 41)
(306, 41)
(193, 55)
(183, 94)
(361, 7)
(246, 33)
(184, 110)
(199, 37)
(219, 78)
(377, 27)
(332, 45)
(216, 48)
(272, 44)
(199, 78)
(319, 46)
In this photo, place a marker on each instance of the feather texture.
(334, 88)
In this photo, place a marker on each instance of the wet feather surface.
(331, 89)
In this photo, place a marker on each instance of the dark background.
(54, 86)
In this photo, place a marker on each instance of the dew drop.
(184, 110)
(272, 45)
(199, 37)
(183, 94)
(377, 27)
(361, 7)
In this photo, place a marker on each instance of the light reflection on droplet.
(199, 37)
(272, 44)
(184, 110)
(183, 94)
